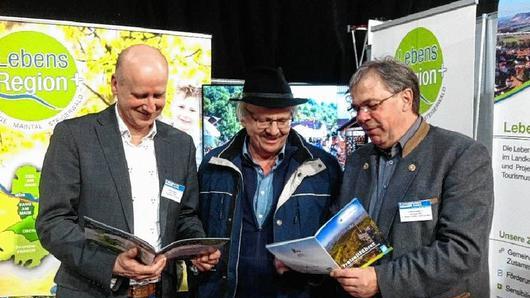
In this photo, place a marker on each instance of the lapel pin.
(366, 166)
(412, 167)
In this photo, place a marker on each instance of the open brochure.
(119, 241)
(349, 239)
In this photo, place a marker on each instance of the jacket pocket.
(214, 211)
(313, 210)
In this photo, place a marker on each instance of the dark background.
(308, 38)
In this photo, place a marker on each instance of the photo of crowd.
(513, 54)
(318, 121)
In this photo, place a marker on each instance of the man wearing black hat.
(267, 184)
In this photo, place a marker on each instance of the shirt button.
(262, 192)
(260, 215)
(279, 222)
(391, 162)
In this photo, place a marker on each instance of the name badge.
(415, 211)
(173, 191)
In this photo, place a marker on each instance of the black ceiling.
(308, 38)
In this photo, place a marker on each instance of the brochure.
(349, 239)
(120, 241)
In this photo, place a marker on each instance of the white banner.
(439, 45)
(510, 233)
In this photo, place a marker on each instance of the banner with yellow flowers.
(51, 71)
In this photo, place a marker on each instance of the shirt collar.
(124, 130)
(246, 152)
(398, 147)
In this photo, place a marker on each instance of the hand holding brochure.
(120, 241)
(349, 239)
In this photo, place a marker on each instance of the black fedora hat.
(267, 87)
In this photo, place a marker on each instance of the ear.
(407, 97)
(243, 122)
(114, 84)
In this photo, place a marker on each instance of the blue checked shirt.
(262, 202)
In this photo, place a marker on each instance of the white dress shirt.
(145, 189)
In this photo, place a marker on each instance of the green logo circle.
(421, 50)
(37, 76)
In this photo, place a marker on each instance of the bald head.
(139, 56)
(139, 85)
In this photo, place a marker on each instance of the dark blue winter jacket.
(311, 185)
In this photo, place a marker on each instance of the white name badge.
(173, 191)
(415, 211)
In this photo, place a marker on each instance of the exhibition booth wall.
(457, 93)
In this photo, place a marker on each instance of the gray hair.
(241, 110)
(395, 75)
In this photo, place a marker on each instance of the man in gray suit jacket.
(430, 191)
(113, 166)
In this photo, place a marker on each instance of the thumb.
(131, 253)
(280, 266)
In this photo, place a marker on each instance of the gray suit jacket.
(85, 173)
(448, 255)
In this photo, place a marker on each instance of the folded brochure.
(119, 241)
(349, 239)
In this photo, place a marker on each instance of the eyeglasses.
(281, 123)
(372, 104)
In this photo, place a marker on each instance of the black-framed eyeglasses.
(372, 104)
(281, 123)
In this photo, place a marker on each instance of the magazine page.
(117, 240)
(352, 238)
(349, 239)
(189, 248)
(120, 241)
(303, 255)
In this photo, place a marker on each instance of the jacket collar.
(124, 130)
(416, 139)
(412, 142)
(110, 141)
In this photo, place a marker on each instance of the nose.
(273, 128)
(150, 106)
(362, 116)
